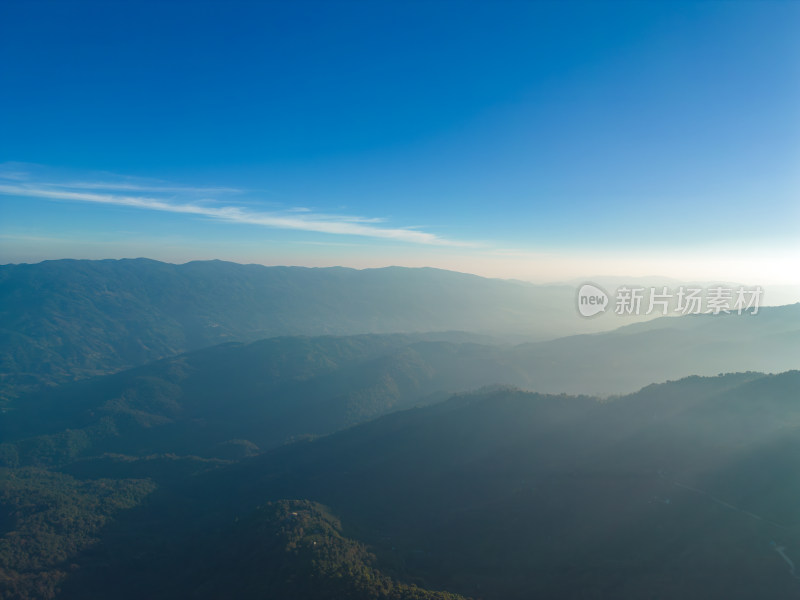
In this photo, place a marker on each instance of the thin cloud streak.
(136, 187)
(299, 221)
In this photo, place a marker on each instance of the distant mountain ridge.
(68, 319)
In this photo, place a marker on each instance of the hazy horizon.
(533, 141)
(774, 294)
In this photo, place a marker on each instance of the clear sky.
(541, 141)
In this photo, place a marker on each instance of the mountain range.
(685, 489)
(70, 319)
(214, 430)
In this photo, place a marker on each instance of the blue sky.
(542, 141)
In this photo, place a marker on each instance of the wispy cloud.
(138, 187)
(195, 201)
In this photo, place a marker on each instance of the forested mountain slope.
(67, 319)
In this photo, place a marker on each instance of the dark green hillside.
(662, 494)
(683, 490)
(47, 519)
(286, 549)
(234, 400)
